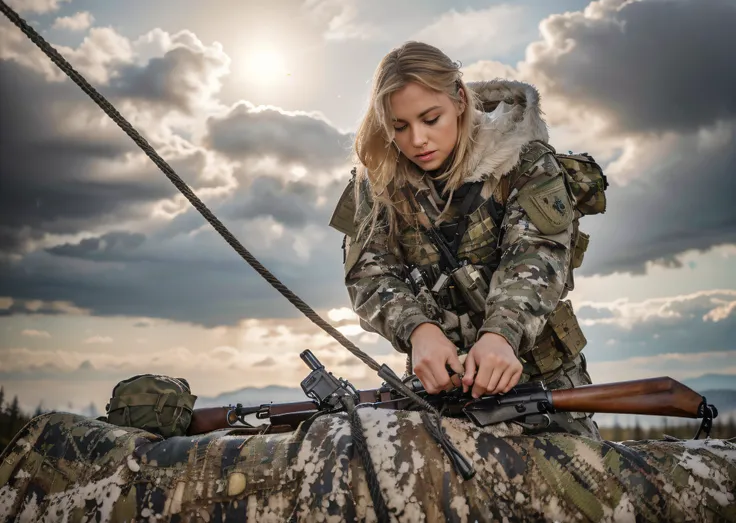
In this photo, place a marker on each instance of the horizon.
(107, 272)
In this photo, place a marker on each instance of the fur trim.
(511, 118)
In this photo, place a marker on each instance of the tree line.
(12, 419)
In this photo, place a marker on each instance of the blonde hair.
(386, 169)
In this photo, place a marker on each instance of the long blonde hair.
(386, 169)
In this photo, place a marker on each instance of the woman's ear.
(463, 101)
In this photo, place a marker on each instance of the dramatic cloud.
(185, 76)
(683, 200)
(656, 109)
(294, 137)
(481, 33)
(696, 323)
(623, 59)
(77, 22)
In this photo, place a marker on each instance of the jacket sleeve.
(376, 281)
(536, 248)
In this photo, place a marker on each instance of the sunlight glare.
(265, 66)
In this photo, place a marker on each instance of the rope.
(432, 420)
(100, 100)
(383, 514)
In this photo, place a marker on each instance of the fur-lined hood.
(511, 119)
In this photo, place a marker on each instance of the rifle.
(528, 402)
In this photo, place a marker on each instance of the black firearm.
(528, 402)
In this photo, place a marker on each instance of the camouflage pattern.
(64, 467)
(586, 181)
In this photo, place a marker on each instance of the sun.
(265, 66)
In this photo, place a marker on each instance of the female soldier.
(462, 236)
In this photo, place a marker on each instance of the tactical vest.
(561, 339)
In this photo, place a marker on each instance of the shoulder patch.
(548, 204)
(343, 217)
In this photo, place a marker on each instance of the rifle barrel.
(654, 396)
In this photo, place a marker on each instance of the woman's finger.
(493, 381)
(481, 380)
(503, 383)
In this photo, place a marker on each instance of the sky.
(106, 271)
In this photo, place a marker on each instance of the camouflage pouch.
(158, 404)
(586, 181)
(581, 245)
(567, 330)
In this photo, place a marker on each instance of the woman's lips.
(426, 157)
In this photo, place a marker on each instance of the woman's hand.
(431, 351)
(498, 367)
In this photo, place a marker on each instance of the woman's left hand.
(498, 367)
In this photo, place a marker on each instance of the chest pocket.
(478, 245)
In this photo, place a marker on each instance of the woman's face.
(425, 122)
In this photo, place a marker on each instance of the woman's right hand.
(431, 351)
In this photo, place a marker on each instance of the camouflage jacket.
(525, 251)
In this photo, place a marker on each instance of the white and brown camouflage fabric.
(64, 467)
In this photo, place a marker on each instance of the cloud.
(214, 359)
(98, 340)
(95, 180)
(33, 333)
(185, 75)
(669, 206)
(617, 82)
(266, 362)
(718, 305)
(35, 6)
(341, 19)
(622, 59)
(475, 33)
(34, 306)
(294, 137)
(77, 22)
(675, 365)
(682, 324)
(110, 246)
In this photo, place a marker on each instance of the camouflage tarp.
(64, 467)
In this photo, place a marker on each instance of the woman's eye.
(399, 129)
(432, 121)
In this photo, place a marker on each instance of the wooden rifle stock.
(208, 419)
(654, 396)
(217, 418)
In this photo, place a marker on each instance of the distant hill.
(254, 396)
(712, 382)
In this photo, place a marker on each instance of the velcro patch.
(548, 204)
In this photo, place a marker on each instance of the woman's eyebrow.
(422, 113)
